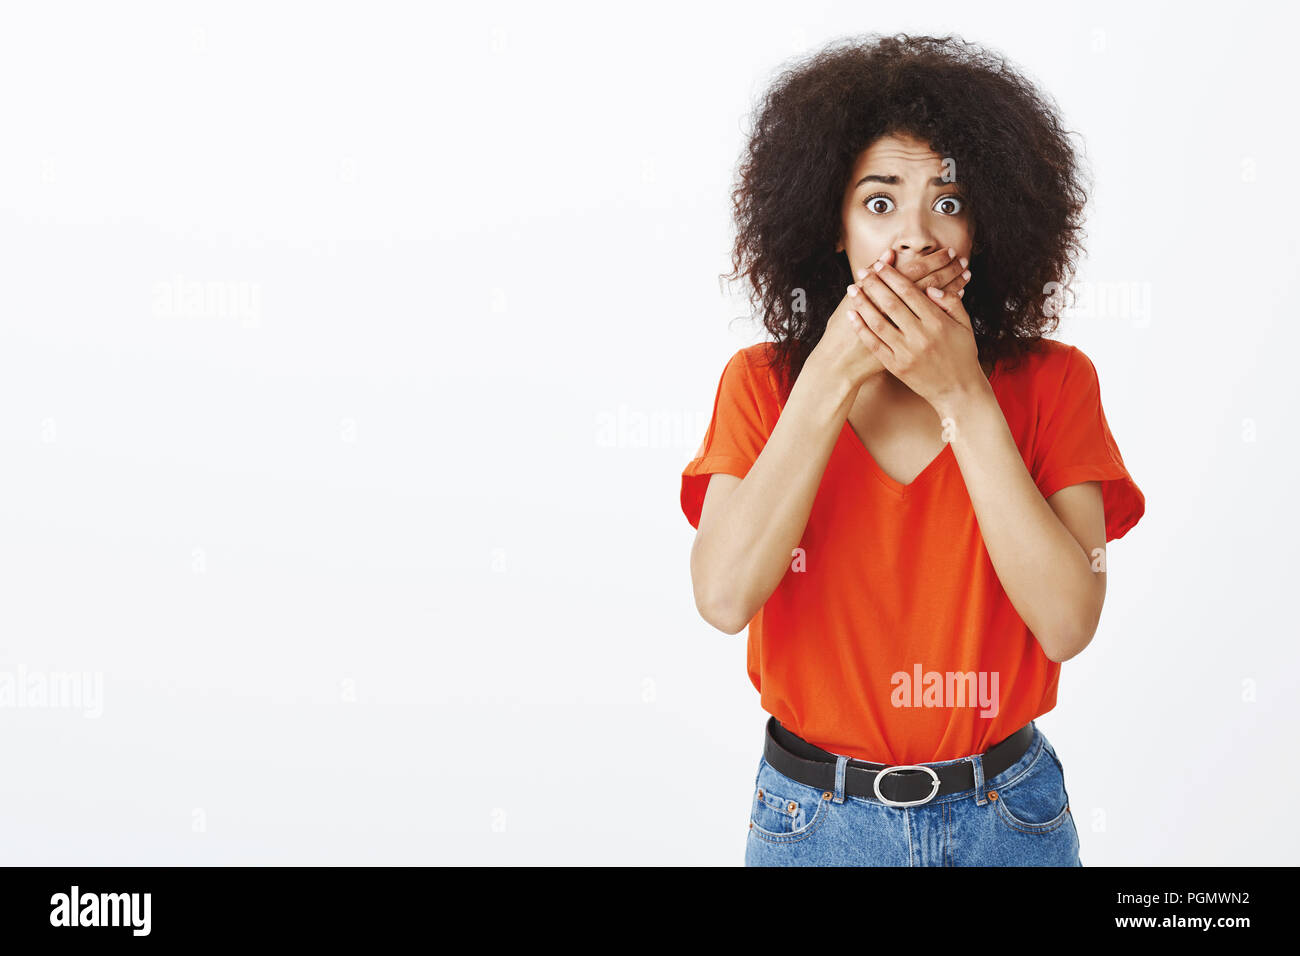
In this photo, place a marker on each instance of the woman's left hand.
(932, 351)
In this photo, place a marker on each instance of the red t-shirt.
(890, 639)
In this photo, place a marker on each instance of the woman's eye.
(873, 203)
(880, 204)
(945, 205)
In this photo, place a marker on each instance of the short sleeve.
(1076, 445)
(735, 436)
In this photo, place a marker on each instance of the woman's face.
(896, 198)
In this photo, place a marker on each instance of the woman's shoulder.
(758, 364)
(760, 355)
(1045, 377)
(1043, 362)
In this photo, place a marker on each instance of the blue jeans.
(1021, 817)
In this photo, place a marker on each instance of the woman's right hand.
(844, 349)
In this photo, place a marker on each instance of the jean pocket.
(784, 810)
(1036, 802)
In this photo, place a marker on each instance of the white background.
(329, 332)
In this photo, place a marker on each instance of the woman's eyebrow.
(894, 180)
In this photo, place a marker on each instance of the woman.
(906, 494)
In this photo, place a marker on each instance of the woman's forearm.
(741, 554)
(1045, 572)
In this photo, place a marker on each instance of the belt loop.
(977, 762)
(841, 763)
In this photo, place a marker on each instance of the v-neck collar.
(936, 465)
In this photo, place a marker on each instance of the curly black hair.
(1019, 172)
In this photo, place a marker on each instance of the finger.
(956, 286)
(942, 277)
(877, 346)
(877, 323)
(939, 259)
(912, 296)
(886, 300)
(950, 305)
(858, 299)
(899, 298)
(963, 276)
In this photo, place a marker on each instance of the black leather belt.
(799, 760)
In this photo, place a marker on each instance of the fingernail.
(966, 274)
(853, 290)
(964, 262)
(880, 264)
(935, 292)
(952, 254)
(960, 293)
(883, 256)
(862, 273)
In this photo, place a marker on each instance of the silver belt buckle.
(875, 783)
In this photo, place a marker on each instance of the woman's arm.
(1048, 554)
(749, 528)
(1043, 554)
